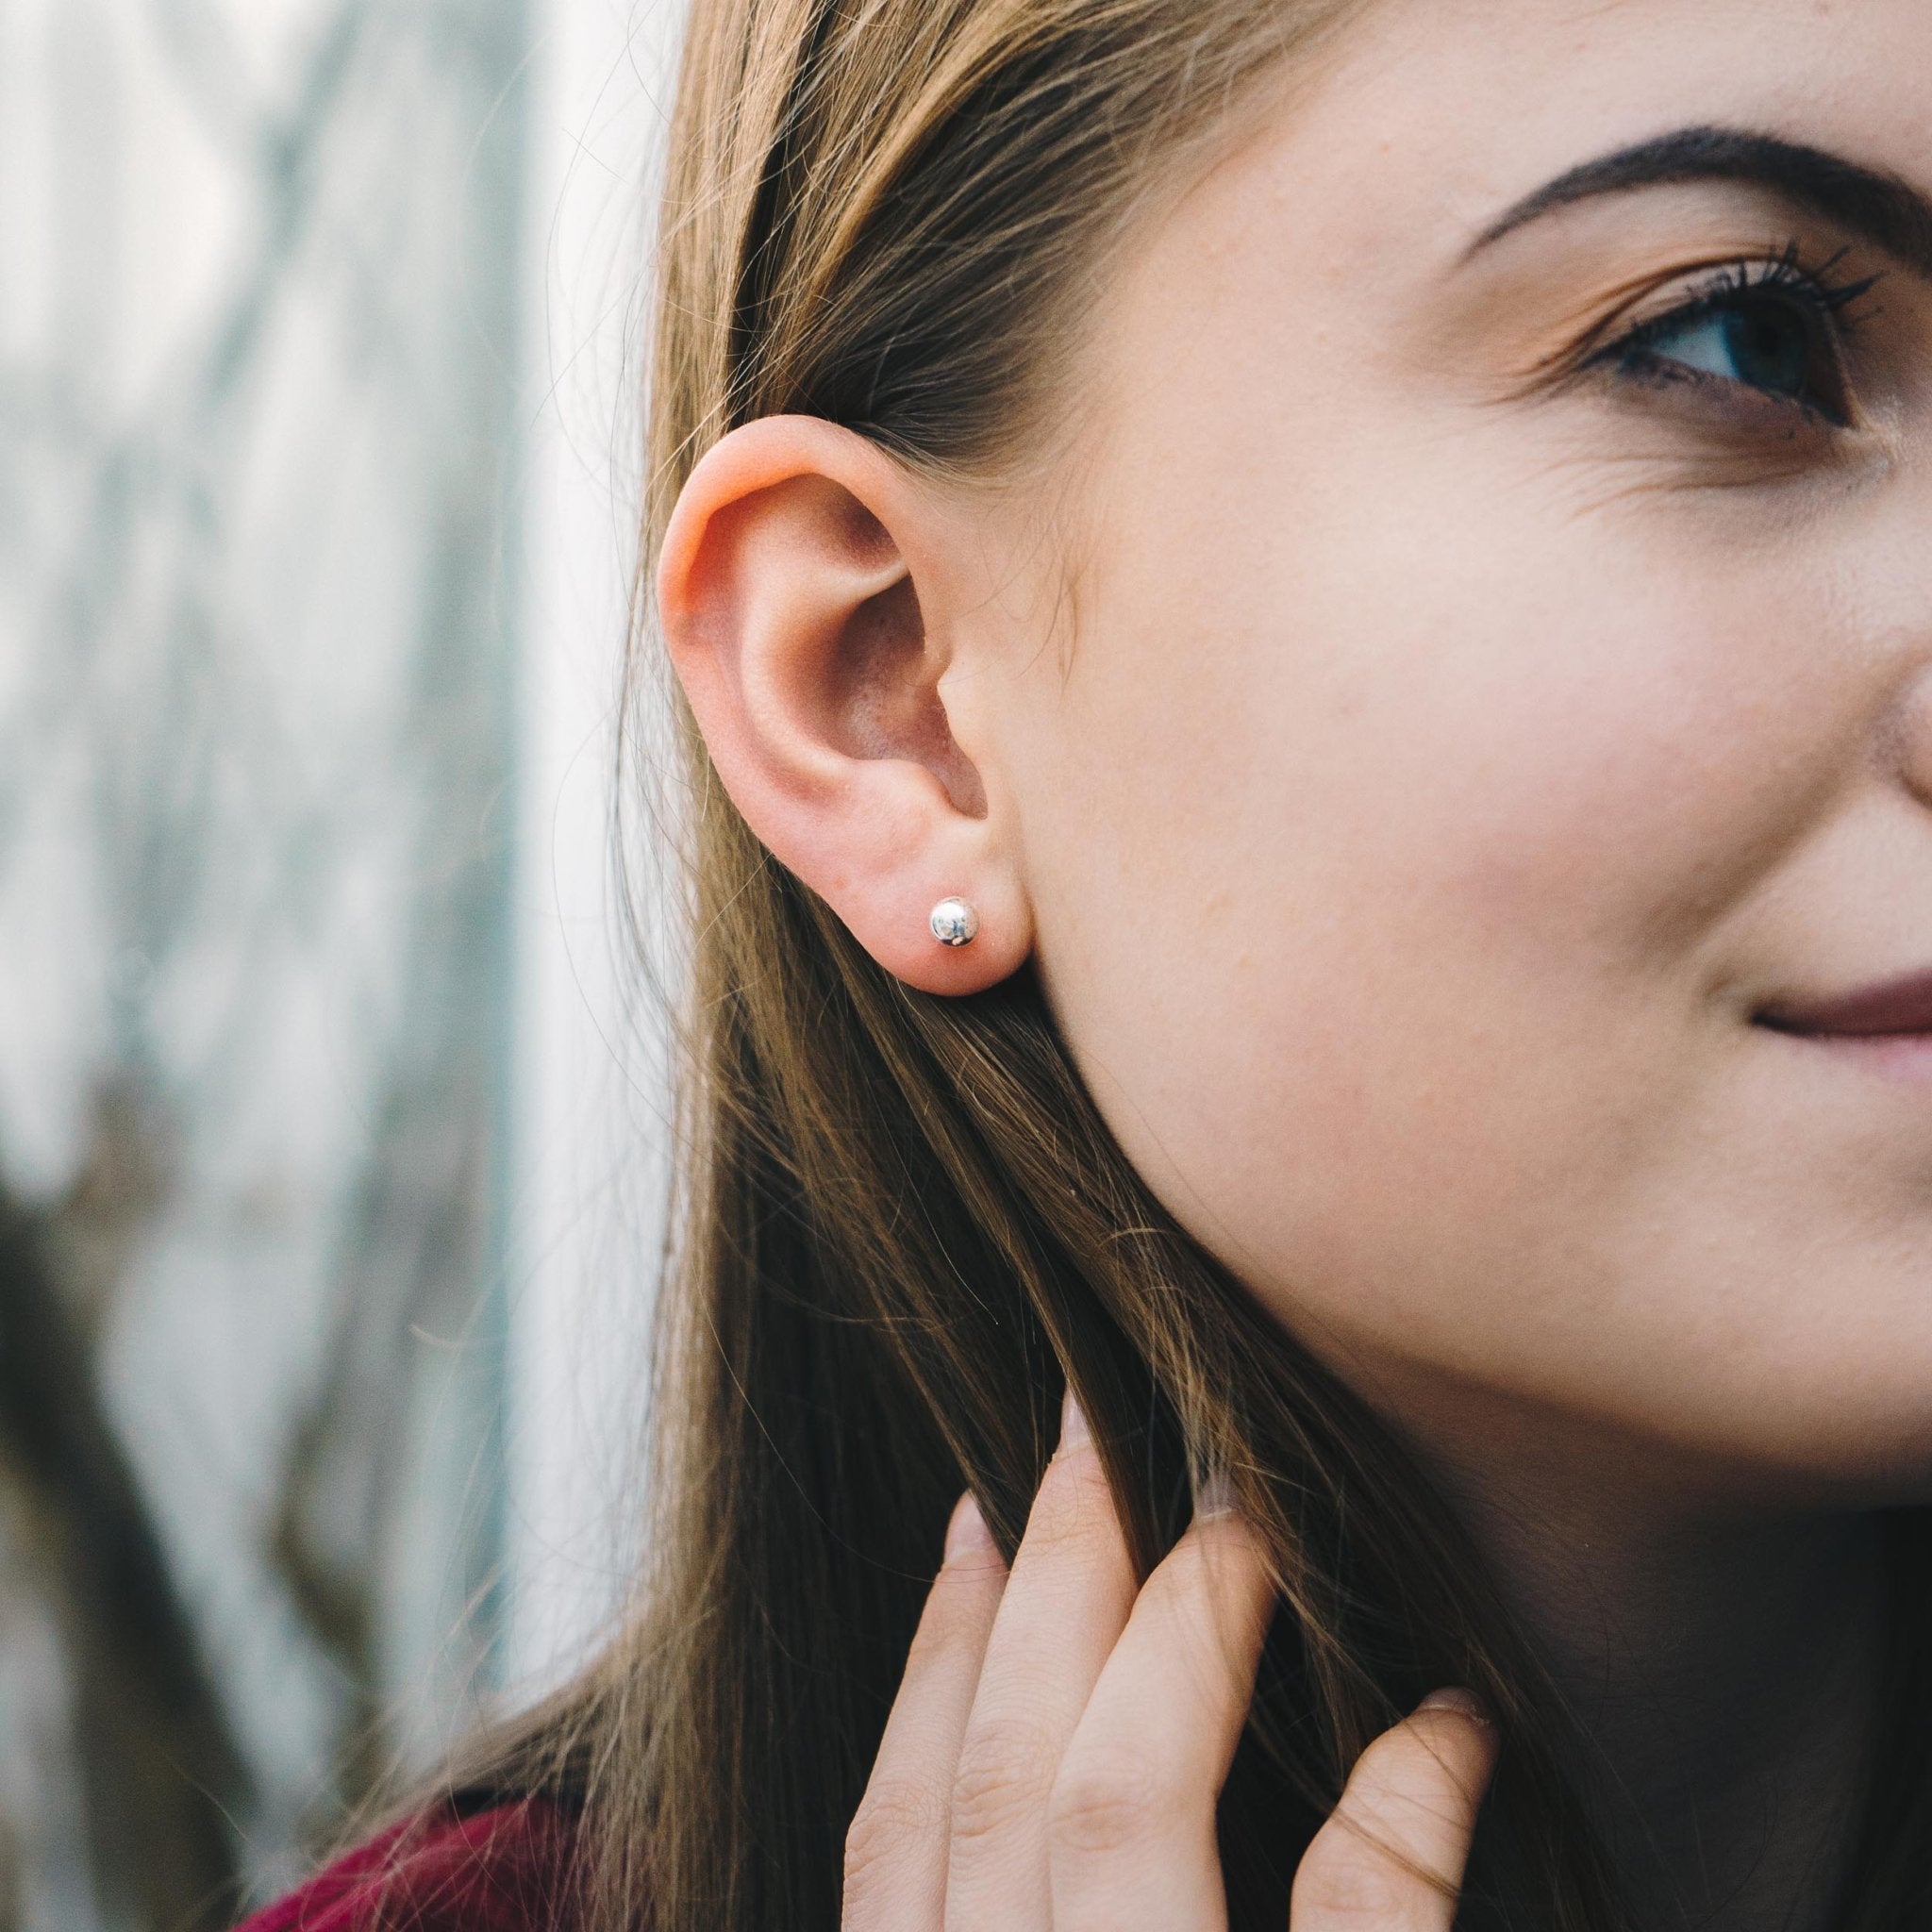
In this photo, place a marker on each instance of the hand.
(1059, 1743)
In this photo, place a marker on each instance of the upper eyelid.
(1664, 279)
(1696, 308)
(1705, 294)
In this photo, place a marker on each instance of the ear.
(805, 594)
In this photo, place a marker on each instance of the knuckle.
(894, 1815)
(1004, 1766)
(1104, 1809)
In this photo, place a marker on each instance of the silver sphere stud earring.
(953, 923)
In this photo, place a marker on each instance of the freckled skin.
(1472, 755)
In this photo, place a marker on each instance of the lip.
(1890, 1009)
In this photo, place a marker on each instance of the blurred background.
(331, 1135)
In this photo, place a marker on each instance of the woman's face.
(1487, 731)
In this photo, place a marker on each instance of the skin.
(1059, 1741)
(1422, 754)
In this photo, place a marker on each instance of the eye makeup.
(1764, 331)
(1636, 277)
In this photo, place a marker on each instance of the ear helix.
(953, 923)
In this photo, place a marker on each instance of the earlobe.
(807, 616)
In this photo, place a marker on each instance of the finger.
(896, 1850)
(1393, 1855)
(1067, 1601)
(1132, 1820)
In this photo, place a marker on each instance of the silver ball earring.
(953, 923)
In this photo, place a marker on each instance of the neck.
(1727, 1663)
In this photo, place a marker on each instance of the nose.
(1912, 736)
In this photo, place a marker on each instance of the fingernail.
(966, 1532)
(1215, 1497)
(1075, 1434)
(1466, 1703)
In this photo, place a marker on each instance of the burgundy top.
(500, 1871)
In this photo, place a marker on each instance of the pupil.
(1770, 348)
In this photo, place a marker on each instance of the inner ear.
(884, 699)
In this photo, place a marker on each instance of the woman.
(1308, 632)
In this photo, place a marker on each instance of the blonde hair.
(903, 1221)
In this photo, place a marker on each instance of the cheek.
(1385, 896)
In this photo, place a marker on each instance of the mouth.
(1893, 1011)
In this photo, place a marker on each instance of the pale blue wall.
(265, 397)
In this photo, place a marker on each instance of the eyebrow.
(1878, 208)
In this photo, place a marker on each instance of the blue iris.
(1763, 345)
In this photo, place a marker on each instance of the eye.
(1768, 345)
(1770, 328)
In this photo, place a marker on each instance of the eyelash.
(1826, 304)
